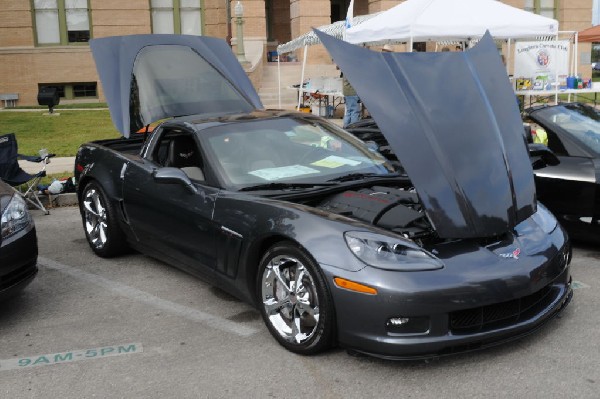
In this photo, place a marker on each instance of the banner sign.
(540, 62)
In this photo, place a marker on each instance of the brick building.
(44, 42)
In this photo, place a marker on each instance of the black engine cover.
(386, 207)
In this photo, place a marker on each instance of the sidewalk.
(56, 165)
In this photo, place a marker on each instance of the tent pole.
(572, 63)
(301, 88)
(411, 44)
(556, 70)
(508, 58)
(576, 51)
(575, 56)
(278, 81)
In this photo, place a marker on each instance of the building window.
(546, 8)
(84, 90)
(176, 16)
(74, 91)
(61, 22)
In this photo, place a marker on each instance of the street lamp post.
(228, 11)
(239, 21)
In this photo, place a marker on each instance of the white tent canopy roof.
(335, 29)
(435, 20)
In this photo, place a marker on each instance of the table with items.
(321, 95)
(540, 90)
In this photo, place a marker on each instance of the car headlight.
(389, 253)
(15, 217)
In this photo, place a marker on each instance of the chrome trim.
(123, 169)
(234, 233)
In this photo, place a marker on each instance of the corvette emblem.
(514, 254)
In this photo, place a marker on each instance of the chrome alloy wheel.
(95, 218)
(290, 299)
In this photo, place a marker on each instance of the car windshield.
(580, 121)
(273, 152)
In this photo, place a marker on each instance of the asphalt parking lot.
(134, 327)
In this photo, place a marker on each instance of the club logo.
(514, 254)
(543, 58)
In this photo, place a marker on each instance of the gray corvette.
(299, 218)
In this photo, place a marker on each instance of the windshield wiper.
(282, 186)
(358, 176)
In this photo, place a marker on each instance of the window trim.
(62, 26)
(177, 16)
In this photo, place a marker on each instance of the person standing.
(352, 113)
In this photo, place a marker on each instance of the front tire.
(294, 300)
(100, 224)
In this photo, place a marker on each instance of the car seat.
(183, 154)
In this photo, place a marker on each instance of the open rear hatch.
(151, 77)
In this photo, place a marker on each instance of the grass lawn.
(61, 134)
(65, 106)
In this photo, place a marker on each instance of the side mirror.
(541, 156)
(174, 176)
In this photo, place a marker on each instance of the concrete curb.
(56, 201)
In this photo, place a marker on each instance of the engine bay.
(391, 208)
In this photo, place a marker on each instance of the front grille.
(502, 314)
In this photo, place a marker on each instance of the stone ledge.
(56, 201)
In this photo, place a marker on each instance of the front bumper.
(18, 263)
(474, 303)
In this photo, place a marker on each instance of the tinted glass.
(175, 80)
(287, 150)
(579, 121)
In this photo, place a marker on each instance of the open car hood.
(453, 121)
(151, 77)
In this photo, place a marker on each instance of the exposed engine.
(391, 208)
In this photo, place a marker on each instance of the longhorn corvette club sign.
(542, 60)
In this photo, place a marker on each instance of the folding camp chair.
(11, 172)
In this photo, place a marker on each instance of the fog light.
(408, 325)
(398, 321)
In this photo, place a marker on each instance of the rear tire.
(294, 300)
(102, 230)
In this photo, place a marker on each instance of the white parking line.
(149, 299)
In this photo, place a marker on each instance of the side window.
(160, 151)
(178, 149)
(541, 135)
(556, 144)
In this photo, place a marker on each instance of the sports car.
(570, 188)
(18, 243)
(331, 242)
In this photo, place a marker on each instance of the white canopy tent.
(460, 20)
(436, 20)
(441, 21)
